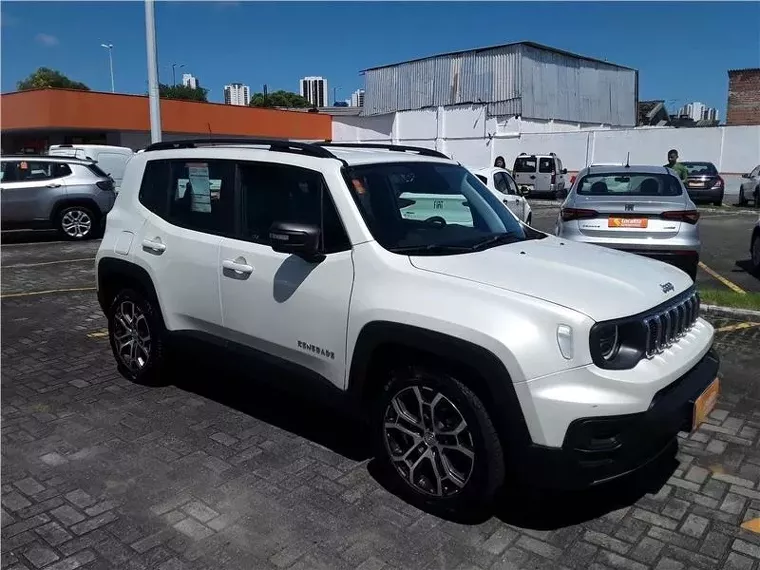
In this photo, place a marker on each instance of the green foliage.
(182, 92)
(279, 99)
(46, 78)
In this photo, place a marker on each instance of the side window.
(154, 190)
(546, 165)
(202, 196)
(282, 193)
(500, 181)
(59, 170)
(9, 170)
(755, 173)
(512, 185)
(482, 178)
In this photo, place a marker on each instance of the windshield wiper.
(430, 248)
(498, 239)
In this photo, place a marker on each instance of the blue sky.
(681, 49)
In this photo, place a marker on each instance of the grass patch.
(724, 298)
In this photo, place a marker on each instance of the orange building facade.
(31, 121)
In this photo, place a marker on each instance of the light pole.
(174, 72)
(150, 41)
(109, 47)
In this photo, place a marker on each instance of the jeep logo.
(667, 287)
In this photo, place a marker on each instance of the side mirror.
(746, 175)
(297, 239)
(564, 171)
(524, 190)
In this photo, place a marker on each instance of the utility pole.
(109, 47)
(174, 75)
(153, 95)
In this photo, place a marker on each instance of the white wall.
(466, 134)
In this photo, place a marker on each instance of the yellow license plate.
(705, 403)
(627, 223)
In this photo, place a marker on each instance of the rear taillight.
(688, 216)
(569, 214)
(572, 179)
(105, 185)
(719, 183)
(554, 178)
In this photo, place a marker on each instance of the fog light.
(565, 341)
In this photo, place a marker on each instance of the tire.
(718, 203)
(77, 223)
(529, 219)
(742, 197)
(479, 476)
(757, 197)
(555, 195)
(755, 254)
(131, 306)
(692, 271)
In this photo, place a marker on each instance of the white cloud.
(46, 40)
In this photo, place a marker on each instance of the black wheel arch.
(117, 274)
(382, 342)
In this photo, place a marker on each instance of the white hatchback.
(500, 182)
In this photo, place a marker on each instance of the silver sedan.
(638, 209)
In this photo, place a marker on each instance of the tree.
(279, 99)
(182, 92)
(46, 78)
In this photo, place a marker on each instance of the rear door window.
(525, 164)
(546, 166)
(501, 182)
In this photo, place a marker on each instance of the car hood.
(600, 282)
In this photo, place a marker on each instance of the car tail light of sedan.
(719, 183)
(569, 214)
(572, 179)
(688, 216)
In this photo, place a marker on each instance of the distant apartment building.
(698, 112)
(189, 80)
(357, 98)
(314, 89)
(743, 97)
(237, 94)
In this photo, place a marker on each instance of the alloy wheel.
(131, 335)
(756, 252)
(428, 441)
(76, 223)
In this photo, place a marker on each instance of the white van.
(111, 159)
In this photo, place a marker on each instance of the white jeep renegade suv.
(475, 347)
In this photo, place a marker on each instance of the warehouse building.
(525, 79)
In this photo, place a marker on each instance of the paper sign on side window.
(200, 198)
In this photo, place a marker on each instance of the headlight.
(617, 345)
(609, 342)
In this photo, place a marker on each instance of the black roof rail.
(278, 145)
(394, 147)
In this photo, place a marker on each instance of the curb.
(730, 312)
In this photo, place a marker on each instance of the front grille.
(670, 323)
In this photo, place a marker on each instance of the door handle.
(53, 185)
(239, 266)
(154, 246)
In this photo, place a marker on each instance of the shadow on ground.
(11, 237)
(309, 415)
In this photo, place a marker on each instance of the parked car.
(111, 159)
(703, 183)
(750, 187)
(67, 194)
(754, 249)
(472, 351)
(500, 182)
(639, 209)
(540, 174)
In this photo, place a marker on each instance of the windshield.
(701, 168)
(629, 184)
(429, 208)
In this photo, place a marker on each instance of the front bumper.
(599, 449)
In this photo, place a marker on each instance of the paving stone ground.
(215, 471)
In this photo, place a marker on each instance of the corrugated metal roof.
(472, 77)
(501, 46)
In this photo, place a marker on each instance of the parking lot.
(216, 471)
